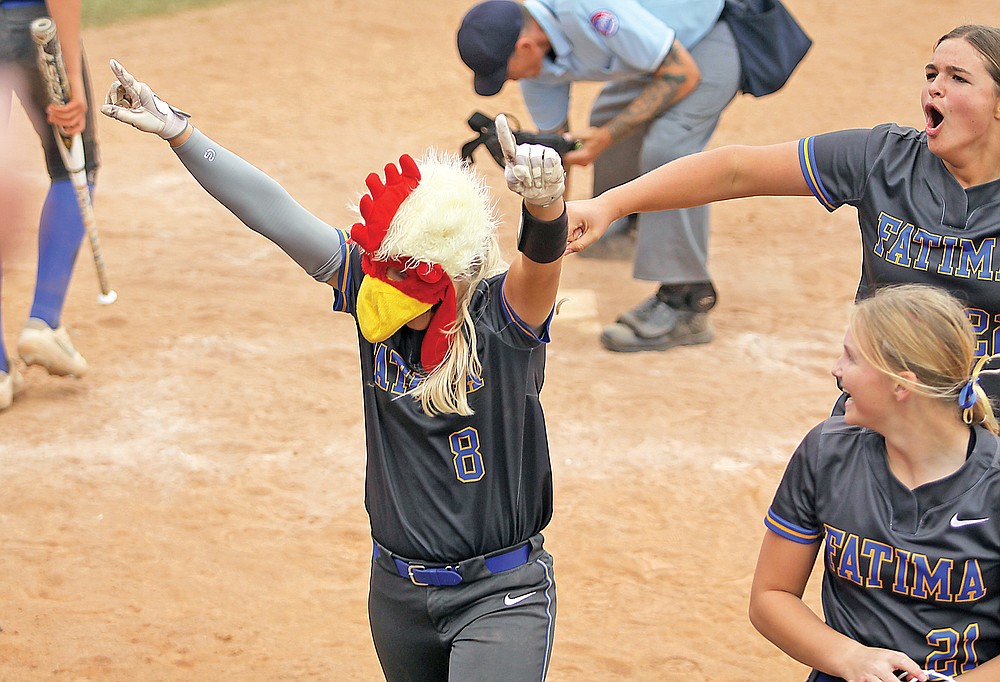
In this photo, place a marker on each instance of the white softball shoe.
(11, 384)
(51, 348)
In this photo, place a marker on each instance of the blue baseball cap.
(486, 41)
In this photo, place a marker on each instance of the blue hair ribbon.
(967, 396)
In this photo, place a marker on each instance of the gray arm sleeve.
(263, 206)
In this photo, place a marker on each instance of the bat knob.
(43, 29)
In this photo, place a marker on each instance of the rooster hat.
(433, 222)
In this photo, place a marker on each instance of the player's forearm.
(262, 204)
(66, 15)
(786, 621)
(987, 672)
(730, 172)
(531, 285)
(692, 180)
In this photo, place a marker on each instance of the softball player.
(902, 495)
(926, 199)
(44, 341)
(458, 484)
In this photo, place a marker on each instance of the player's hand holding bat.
(531, 170)
(135, 103)
(70, 117)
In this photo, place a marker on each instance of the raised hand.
(134, 102)
(531, 170)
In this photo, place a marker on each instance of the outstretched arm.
(778, 613)
(536, 173)
(253, 197)
(731, 172)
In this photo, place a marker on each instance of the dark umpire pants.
(496, 628)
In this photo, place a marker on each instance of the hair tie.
(967, 396)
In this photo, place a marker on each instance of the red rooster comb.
(379, 206)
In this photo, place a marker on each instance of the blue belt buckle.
(409, 570)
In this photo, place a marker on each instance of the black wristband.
(543, 241)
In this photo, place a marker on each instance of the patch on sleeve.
(604, 22)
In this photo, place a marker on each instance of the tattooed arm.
(676, 78)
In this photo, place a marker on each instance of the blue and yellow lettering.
(872, 564)
(899, 253)
(848, 567)
(888, 228)
(473, 383)
(973, 586)
(877, 553)
(926, 241)
(400, 385)
(928, 582)
(946, 266)
(381, 369)
(980, 320)
(977, 260)
(834, 541)
(899, 580)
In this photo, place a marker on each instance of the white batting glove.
(532, 170)
(133, 102)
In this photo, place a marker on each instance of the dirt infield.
(193, 509)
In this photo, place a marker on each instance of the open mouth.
(840, 387)
(934, 118)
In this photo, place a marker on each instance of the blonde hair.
(446, 388)
(924, 330)
(450, 219)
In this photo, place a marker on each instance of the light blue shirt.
(604, 40)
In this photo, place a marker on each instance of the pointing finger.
(507, 142)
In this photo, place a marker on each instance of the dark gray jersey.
(441, 488)
(918, 224)
(449, 487)
(912, 570)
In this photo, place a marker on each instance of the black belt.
(445, 576)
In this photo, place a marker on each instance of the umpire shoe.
(11, 384)
(51, 348)
(656, 325)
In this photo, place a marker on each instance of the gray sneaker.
(655, 325)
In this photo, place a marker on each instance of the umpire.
(672, 68)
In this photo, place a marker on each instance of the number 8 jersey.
(450, 487)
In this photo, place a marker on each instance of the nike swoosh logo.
(513, 601)
(958, 523)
